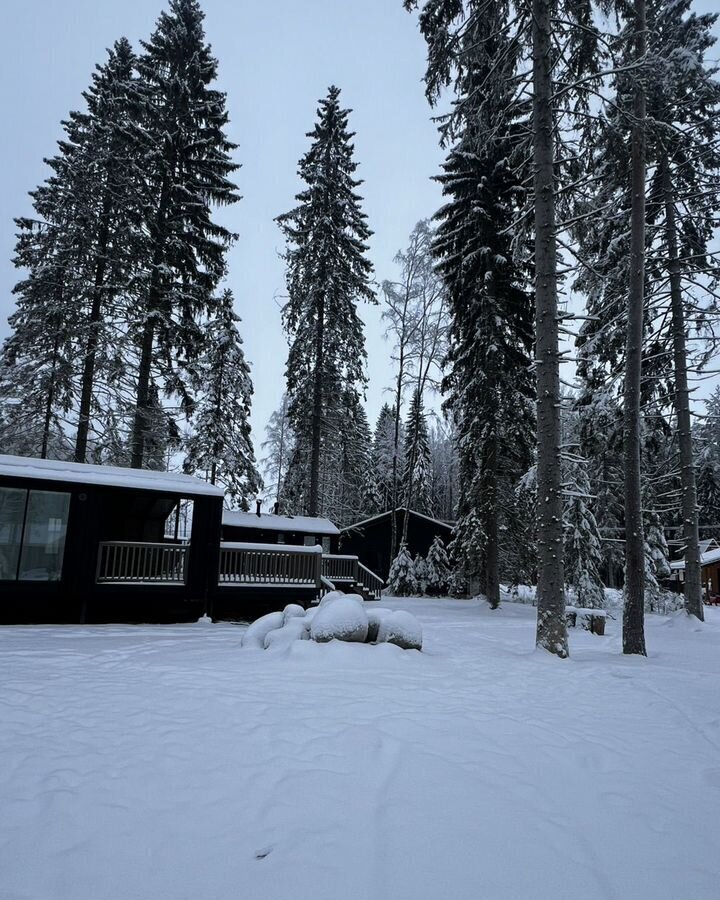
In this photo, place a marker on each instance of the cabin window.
(309, 540)
(326, 544)
(280, 538)
(12, 514)
(33, 525)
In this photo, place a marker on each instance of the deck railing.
(263, 565)
(127, 562)
(349, 570)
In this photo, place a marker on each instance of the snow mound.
(341, 619)
(257, 632)
(683, 621)
(293, 630)
(400, 628)
(375, 617)
(204, 620)
(293, 611)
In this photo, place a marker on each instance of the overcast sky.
(275, 62)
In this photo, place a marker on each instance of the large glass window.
(33, 525)
(12, 515)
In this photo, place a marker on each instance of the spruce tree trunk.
(634, 608)
(317, 411)
(692, 586)
(141, 422)
(551, 627)
(50, 400)
(88, 373)
(492, 575)
(142, 409)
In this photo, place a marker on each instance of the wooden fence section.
(126, 562)
(259, 565)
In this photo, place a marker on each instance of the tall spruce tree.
(220, 445)
(328, 274)
(186, 157)
(416, 476)
(489, 384)
(382, 459)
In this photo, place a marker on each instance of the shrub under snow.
(341, 617)
(402, 581)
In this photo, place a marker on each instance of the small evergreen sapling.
(437, 569)
(421, 574)
(402, 581)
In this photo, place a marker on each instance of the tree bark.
(692, 586)
(634, 608)
(551, 628)
(317, 411)
(88, 374)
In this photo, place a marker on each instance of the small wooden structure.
(267, 528)
(370, 539)
(709, 571)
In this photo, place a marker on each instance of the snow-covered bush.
(293, 630)
(420, 573)
(401, 580)
(341, 619)
(437, 569)
(260, 628)
(402, 629)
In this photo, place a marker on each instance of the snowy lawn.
(165, 762)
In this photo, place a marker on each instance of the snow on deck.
(167, 762)
(116, 476)
(270, 522)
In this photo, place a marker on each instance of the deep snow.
(165, 762)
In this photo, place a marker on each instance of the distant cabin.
(370, 539)
(267, 528)
(100, 543)
(709, 569)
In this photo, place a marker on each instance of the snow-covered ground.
(167, 762)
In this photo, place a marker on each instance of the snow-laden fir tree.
(420, 573)
(186, 158)
(657, 565)
(707, 442)
(583, 548)
(437, 569)
(328, 274)
(489, 383)
(78, 251)
(382, 458)
(401, 580)
(220, 446)
(417, 469)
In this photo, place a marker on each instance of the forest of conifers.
(552, 325)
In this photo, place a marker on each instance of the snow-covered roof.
(399, 509)
(709, 558)
(269, 522)
(115, 476)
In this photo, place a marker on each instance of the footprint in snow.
(261, 854)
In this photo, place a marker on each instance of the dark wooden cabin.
(709, 571)
(83, 543)
(267, 528)
(370, 539)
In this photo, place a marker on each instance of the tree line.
(580, 204)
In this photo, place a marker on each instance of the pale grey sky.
(275, 62)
